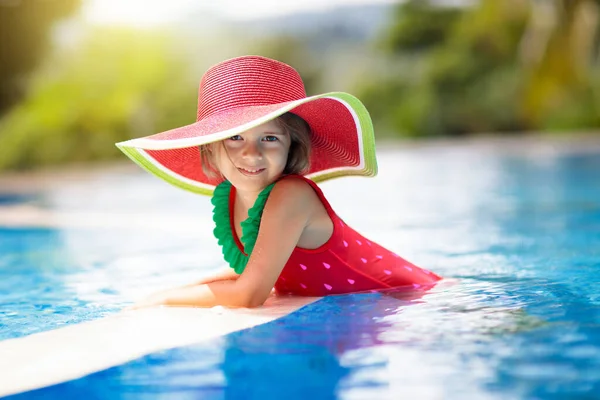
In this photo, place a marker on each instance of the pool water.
(514, 228)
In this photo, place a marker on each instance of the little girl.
(258, 146)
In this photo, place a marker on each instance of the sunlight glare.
(140, 13)
(144, 13)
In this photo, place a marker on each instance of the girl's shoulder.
(293, 193)
(293, 181)
(293, 187)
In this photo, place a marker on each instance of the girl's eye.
(236, 137)
(271, 138)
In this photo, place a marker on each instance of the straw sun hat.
(241, 93)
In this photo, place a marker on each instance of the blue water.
(517, 233)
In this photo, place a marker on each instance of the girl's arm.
(223, 275)
(286, 214)
(161, 297)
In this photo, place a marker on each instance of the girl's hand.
(152, 301)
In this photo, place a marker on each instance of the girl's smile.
(252, 172)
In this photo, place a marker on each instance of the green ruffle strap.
(223, 230)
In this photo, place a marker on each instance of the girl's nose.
(252, 149)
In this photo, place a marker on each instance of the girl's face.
(255, 158)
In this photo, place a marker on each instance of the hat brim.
(342, 143)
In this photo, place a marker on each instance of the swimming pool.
(515, 225)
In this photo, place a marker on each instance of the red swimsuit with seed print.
(348, 262)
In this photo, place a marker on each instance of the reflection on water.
(517, 234)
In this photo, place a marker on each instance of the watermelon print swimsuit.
(348, 262)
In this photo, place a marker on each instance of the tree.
(78, 107)
(25, 27)
(491, 66)
(560, 59)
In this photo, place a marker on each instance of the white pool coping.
(64, 354)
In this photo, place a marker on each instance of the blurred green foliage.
(25, 38)
(510, 65)
(116, 84)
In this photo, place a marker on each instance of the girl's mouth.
(251, 172)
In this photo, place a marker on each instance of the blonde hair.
(298, 160)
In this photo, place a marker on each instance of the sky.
(158, 12)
